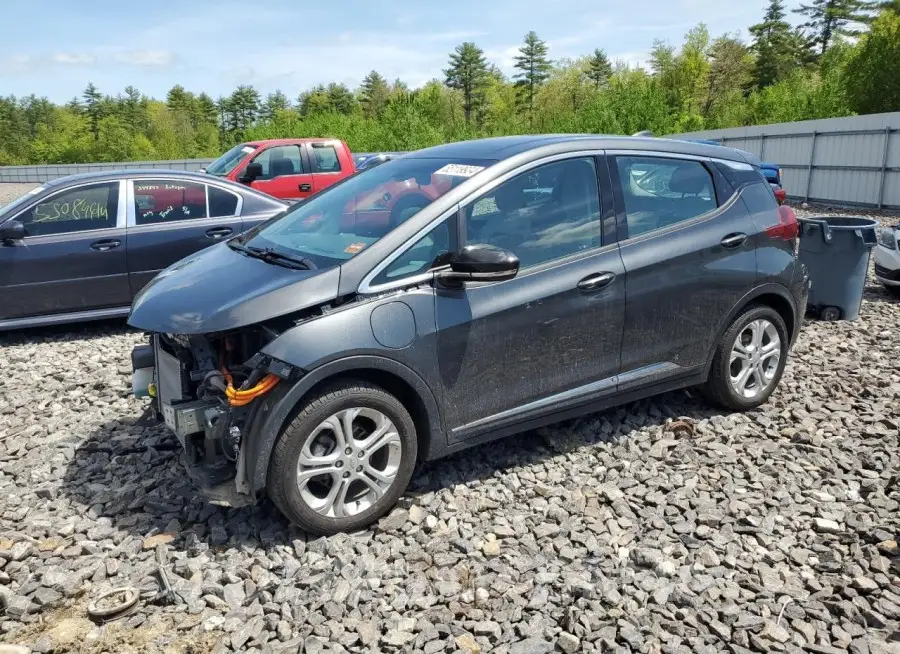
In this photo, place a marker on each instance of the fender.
(765, 289)
(275, 412)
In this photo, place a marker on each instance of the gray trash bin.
(836, 251)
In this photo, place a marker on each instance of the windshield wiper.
(271, 256)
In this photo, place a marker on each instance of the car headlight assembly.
(887, 237)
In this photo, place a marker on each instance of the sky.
(53, 48)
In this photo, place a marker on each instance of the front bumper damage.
(199, 388)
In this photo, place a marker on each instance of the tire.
(893, 291)
(719, 387)
(357, 467)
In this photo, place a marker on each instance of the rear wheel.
(749, 360)
(344, 460)
(893, 291)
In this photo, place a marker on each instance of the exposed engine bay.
(204, 388)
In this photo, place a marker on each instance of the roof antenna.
(645, 132)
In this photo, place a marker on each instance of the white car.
(887, 259)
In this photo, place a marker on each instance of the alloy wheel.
(348, 462)
(754, 359)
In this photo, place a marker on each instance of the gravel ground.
(661, 526)
(9, 192)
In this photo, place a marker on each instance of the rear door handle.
(596, 281)
(305, 187)
(105, 244)
(733, 240)
(218, 232)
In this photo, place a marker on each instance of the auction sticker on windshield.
(459, 170)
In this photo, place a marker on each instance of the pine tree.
(374, 94)
(134, 109)
(275, 102)
(777, 46)
(827, 19)
(599, 68)
(243, 107)
(467, 72)
(207, 109)
(534, 69)
(93, 103)
(340, 99)
(314, 101)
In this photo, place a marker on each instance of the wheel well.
(782, 306)
(397, 387)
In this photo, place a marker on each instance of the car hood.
(219, 289)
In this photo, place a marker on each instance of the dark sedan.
(81, 247)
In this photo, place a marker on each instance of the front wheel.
(344, 460)
(749, 360)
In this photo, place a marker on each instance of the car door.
(688, 249)
(548, 339)
(73, 256)
(285, 175)
(171, 218)
(326, 165)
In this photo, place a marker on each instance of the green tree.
(599, 68)
(873, 74)
(776, 45)
(314, 101)
(242, 108)
(467, 72)
(207, 110)
(275, 102)
(374, 94)
(534, 69)
(340, 99)
(134, 110)
(730, 72)
(827, 19)
(92, 100)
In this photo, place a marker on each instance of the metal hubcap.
(754, 359)
(348, 462)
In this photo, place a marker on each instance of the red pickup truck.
(290, 169)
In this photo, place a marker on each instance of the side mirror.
(480, 263)
(12, 230)
(252, 172)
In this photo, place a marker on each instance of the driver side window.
(279, 160)
(430, 251)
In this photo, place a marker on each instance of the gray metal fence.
(852, 161)
(40, 174)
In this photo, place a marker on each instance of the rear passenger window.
(161, 201)
(222, 202)
(326, 159)
(660, 192)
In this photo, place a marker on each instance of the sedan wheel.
(344, 460)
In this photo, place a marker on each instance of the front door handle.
(305, 187)
(596, 281)
(105, 244)
(734, 240)
(218, 232)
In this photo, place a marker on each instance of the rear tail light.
(780, 195)
(787, 228)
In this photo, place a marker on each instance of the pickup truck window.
(339, 223)
(280, 160)
(229, 161)
(325, 158)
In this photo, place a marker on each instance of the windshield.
(229, 161)
(342, 221)
(21, 199)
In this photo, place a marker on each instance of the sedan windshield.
(340, 222)
(229, 161)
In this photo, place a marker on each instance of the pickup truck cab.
(290, 169)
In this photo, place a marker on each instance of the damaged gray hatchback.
(459, 294)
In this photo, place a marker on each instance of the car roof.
(112, 175)
(504, 147)
(260, 142)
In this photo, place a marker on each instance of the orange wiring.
(242, 398)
